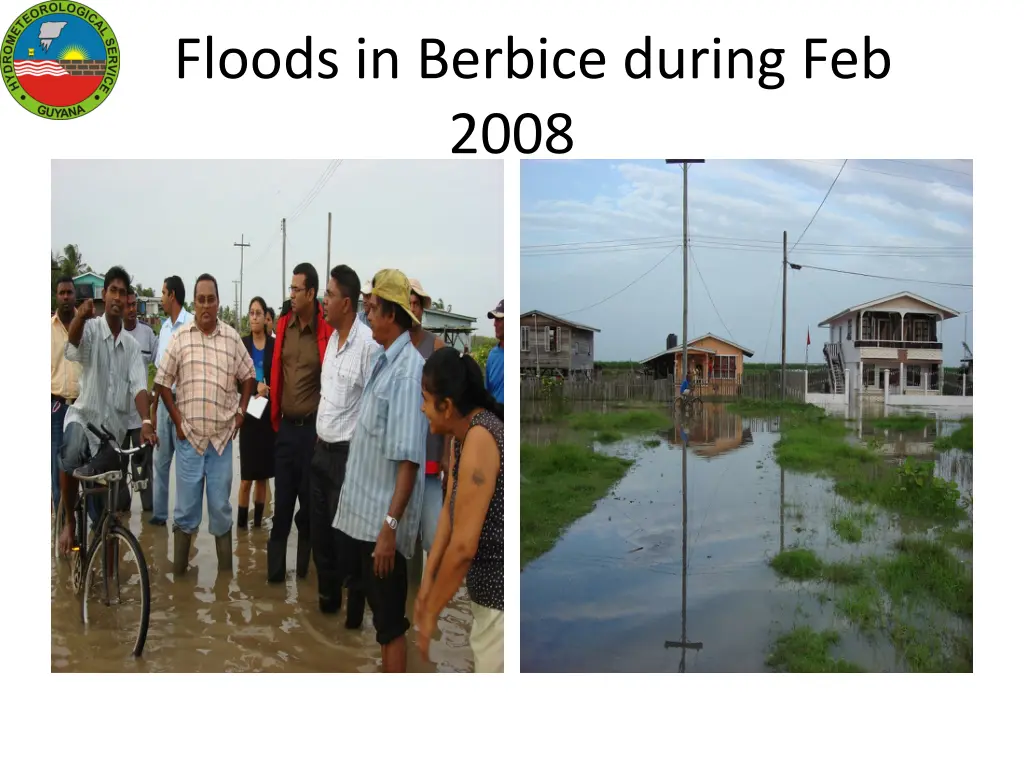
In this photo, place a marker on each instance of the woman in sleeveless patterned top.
(470, 539)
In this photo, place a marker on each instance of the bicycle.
(109, 531)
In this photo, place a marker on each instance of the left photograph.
(266, 378)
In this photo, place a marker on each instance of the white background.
(951, 92)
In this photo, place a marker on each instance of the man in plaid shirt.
(207, 360)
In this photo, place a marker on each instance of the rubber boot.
(257, 516)
(243, 518)
(305, 549)
(182, 547)
(223, 545)
(276, 552)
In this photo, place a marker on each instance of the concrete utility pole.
(328, 275)
(684, 645)
(785, 280)
(284, 242)
(238, 319)
(686, 260)
(241, 263)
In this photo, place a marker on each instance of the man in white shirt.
(172, 300)
(348, 363)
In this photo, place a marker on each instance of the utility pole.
(328, 275)
(686, 260)
(241, 263)
(785, 280)
(238, 321)
(284, 242)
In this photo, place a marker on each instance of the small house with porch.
(709, 358)
(551, 345)
(901, 333)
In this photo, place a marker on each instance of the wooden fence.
(758, 385)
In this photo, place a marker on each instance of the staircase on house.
(836, 368)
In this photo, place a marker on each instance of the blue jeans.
(432, 499)
(56, 440)
(192, 472)
(162, 456)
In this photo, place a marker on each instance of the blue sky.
(589, 228)
(76, 32)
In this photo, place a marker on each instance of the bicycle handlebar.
(105, 436)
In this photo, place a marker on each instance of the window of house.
(922, 331)
(913, 375)
(865, 327)
(933, 377)
(884, 329)
(849, 329)
(554, 339)
(723, 367)
(524, 338)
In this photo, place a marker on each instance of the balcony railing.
(889, 344)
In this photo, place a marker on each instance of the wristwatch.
(392, 523)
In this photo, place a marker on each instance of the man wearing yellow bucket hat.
(382, 498)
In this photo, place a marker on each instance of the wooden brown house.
(551, 345)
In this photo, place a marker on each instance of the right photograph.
(747, 415)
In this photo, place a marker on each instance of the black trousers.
(327, 476)
(133, 439)
(293, 455)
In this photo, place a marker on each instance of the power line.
(931, 167)
(887, 173)
(621, 290)
(827, 193)
(708, 292)
(881, 277)
(771, 316)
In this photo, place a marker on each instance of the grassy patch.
(804, 650)
(805, 565)
(962, 439)
(625, 421)
(959, 539)
(907, 421)
(925, 570)
(847, 529)
(772, 408)
(559, 484)
(652, 443)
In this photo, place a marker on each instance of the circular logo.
(60, 60)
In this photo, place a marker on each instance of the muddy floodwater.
(630, 587)
(206, 621)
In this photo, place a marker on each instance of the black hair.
(259, 300)
(212, 279)
(308, 271)
(116, 273)
(348, 282)
(65, 279)
(402, 318)
(449, 374)
(176, 287)
(286, 307)
(131, 290)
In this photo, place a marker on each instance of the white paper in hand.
(256, 406)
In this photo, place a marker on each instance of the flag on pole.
(808, 336)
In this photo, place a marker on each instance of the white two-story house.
(901, 333)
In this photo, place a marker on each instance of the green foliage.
(804, 650)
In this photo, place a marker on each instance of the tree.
(440, 306)
(70, 262)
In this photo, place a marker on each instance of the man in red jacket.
(302, 336)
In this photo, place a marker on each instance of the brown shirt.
(300, 364)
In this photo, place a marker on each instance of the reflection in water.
(208, 621)
(609, 592)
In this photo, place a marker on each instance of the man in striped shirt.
(113, 382)
(382, 498)
(347, 365)
(207, 361)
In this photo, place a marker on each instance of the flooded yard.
(210, 621)
(766, 567)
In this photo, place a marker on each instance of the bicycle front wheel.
(115, 596)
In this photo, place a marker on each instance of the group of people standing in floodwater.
(389, 443)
